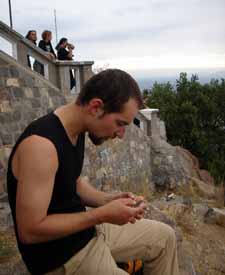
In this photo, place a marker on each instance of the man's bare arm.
(35, 164)
(95, 198)
(90, 195)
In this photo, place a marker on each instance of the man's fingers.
(139, 217)
(127, 195)
(139, 198)
(132, 220)
(140, 210)
(129, 202)
(131, 195)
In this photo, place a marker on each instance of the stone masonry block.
(16, 115)
(4, 94)
(5, 106)
(39, 83)
(5, 118)
(12, 82)
(2, 118)
(6, 139)
(12, 127)
(14, 71)
(45, 101)
(21, 82)
(44, 92)
(4, 72)
(17, 92)
(2, 82)
(35, 103)
(36, 92)
(53, 92)
(28, 81)
(32, 115)
(28, 92)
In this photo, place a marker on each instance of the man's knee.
(171, 236)
(165, 233)
(164, 241)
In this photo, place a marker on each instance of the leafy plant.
(194, 114)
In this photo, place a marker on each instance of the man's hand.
(128, 195)
(50, 55)
(121, 211)
(121, 195)
(133, 197)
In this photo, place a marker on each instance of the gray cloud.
(128, 29)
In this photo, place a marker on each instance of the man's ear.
(95, 107)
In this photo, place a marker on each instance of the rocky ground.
(201, 245)
(201, 237)
(199, 221)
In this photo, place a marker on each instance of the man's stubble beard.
(96, 140)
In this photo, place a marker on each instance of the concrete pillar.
(64, 79)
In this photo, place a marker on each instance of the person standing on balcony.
(46, 45)
(32, 36)
(37, 66)
(65, 52)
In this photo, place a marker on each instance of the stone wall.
(120, 164)
(22, 99)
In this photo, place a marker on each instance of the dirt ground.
(203, 245)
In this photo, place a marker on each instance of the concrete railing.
(148, 120)
(57, 72)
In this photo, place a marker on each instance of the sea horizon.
(147, 78)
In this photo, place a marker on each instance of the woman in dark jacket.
(46, 45)
(65, 52)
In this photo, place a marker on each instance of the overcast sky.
(132, 35)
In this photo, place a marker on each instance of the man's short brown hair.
(45, 34)
(114, 87)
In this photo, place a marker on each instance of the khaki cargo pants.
(148, 240)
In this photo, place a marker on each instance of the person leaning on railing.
(46, 45)
(37, 66)
(65, 52)
(31, 36)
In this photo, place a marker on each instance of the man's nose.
(121, 132)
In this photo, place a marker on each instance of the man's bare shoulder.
(36, 143)
(35, 150)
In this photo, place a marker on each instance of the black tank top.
(43, 257)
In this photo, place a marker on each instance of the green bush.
(194, 114)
